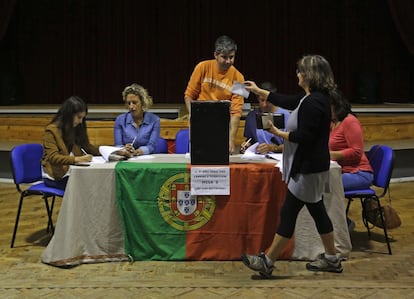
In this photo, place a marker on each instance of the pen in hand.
(244, 144)
(85, 158)
(129, 147)
(132, 143)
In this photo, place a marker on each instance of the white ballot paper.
(239, 89)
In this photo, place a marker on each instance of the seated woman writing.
(137, 130)
(66, 142)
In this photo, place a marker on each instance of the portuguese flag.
(162, 221)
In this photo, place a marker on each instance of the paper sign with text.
(210, 180)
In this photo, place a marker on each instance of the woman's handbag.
(373, 216)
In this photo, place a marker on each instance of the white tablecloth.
(88, 227)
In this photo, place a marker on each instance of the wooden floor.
(369, 273)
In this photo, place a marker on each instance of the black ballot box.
(209, 132)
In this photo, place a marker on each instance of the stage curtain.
(95, 48)
(6, 11)
(402, 13)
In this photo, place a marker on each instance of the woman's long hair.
(64, 121)
(340, 105)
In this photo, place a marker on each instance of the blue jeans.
(357, 180)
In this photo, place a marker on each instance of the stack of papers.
(98, 160)
(250, 153)
(109, 153)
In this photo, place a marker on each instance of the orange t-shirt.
(208, 83)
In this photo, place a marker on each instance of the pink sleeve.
(354, 138)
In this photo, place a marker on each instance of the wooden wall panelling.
(28, 128)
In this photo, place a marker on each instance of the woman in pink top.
(346, 146)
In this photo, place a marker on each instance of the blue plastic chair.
(26, 168)
(162, 146)
(381, 158)
(182, 141)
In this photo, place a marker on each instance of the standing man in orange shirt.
(213, 80)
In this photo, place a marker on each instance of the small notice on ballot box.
(210, 180)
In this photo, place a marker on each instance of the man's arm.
(234, 125)
(188, 101)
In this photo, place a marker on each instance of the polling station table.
(92, 222)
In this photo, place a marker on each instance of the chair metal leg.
(364, 217)
(52, 205)
(366, 223)
(49, 216)
(384, 226)
(387, 240)
(348, 205)
(17, 220)
(50, 223)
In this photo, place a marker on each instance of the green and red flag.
(163, 221)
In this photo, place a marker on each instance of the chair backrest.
(162, 146)
(381, 158)
(182, 141)
(26, 163)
